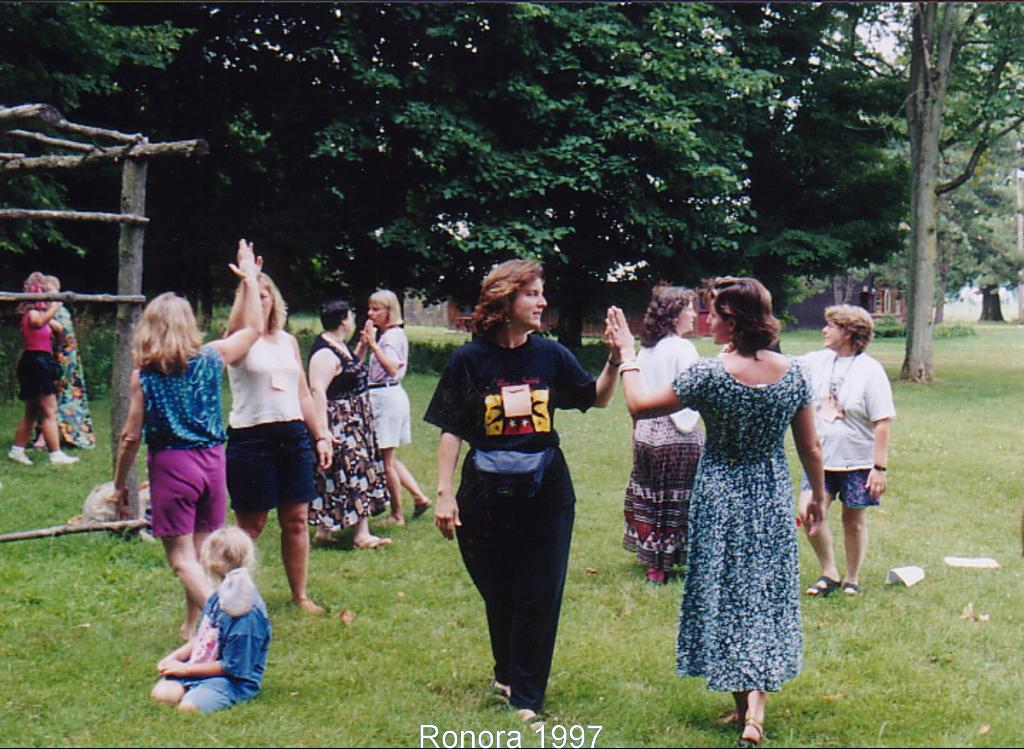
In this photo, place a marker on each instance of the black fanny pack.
(511, 472)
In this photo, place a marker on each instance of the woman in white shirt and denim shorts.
(853, 409)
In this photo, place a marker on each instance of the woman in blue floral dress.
(739, 625)
(73, 418)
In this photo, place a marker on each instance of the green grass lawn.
(85, 618)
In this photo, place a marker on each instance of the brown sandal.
(758, 728)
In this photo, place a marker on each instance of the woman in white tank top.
(270, 461)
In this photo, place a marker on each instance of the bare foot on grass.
(306, 604)
(370, 542)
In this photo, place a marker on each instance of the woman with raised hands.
(739, 624)
(176, 402)
(270, 460)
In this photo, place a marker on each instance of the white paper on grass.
(906, 575)
(978, 563)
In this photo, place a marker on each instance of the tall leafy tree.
(827, 189)
(965, 87)
(977, 227)
(590, 137)
(61, 54)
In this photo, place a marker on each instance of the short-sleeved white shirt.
(393, 344)
(864, 392)
(659, 367)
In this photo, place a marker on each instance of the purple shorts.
(187, 490)
(850, 487)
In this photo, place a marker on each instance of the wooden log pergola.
(105, 146)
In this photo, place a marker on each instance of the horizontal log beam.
(6, 155)
(106, 218)
(70, 296)
(184, 148)
(71, 145)
(44, 113)
(118, 526)
(99, 132)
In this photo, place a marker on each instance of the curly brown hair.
(499, 290)
(748, 304)
(667, 303)
(856, 320)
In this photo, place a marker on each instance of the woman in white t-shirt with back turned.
(666, 450)
(853, 409)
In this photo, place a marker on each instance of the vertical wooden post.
(129, 281)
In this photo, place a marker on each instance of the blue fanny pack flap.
(510, 471)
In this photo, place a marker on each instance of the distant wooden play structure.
(68, 145)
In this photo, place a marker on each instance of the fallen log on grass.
(117, 526)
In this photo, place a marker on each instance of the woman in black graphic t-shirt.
(515, 507)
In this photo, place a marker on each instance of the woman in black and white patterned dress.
(739, 624)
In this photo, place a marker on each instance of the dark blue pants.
(516, 550)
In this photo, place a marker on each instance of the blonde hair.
(856, 320)
(166, 336)
(499, 290)
(389, 301)
(34, 284)
(52, 281)
(279, 312)
(227, 549)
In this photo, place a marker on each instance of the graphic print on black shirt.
(504, 399)
(520, 408)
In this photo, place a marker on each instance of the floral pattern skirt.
(73, 419)
(354, 486)
(658, 493)
(739, 623)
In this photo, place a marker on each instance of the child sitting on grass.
(224, 663)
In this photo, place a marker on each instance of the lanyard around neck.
(833, 391)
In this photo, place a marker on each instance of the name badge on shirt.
(516, 401)
(278, 381)
(830, 410)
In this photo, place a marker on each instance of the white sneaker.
(62, 459)
(19, 457)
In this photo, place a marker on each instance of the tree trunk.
(940, 311)
(1020, 233)
(931, 57)
(991, 308)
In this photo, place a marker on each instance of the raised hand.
(368, 335)
(617, 336)
(246, 260)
